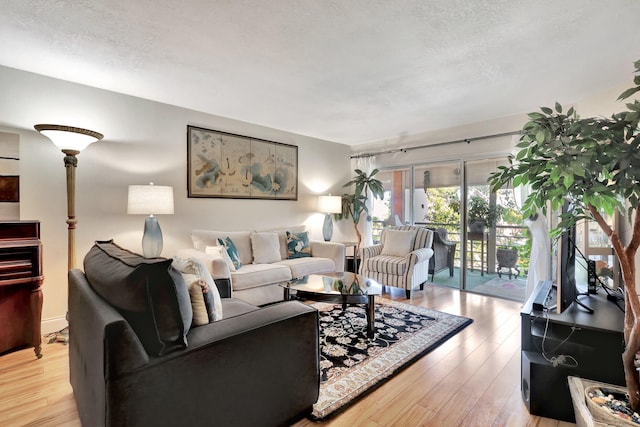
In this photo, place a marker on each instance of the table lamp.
(150, 200)
(329, 205)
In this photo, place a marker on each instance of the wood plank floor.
(473, 379)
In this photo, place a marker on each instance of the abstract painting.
(221, 164)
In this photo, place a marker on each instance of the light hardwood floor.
(473, 379)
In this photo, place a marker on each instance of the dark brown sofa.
(256, 366)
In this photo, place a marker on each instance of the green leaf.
(546, 110)
(558, 107)
(627, 93)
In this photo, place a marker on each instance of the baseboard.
(53, 324)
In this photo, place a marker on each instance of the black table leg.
(371, 315)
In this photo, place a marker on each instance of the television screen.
(567, 292)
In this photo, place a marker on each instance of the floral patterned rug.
(353, 365)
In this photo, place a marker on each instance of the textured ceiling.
(350, 71)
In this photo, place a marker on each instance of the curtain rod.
(456, 141)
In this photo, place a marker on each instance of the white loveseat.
(263, 267)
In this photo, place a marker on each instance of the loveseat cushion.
(241, 239)
(308, 265)
(203, 291)
(255, 275)
(148, 292)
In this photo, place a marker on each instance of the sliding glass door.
(497, 243)
(488, 252)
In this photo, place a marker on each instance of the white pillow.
(222, 253)
(266, 248)
(398, 242)
(196, 267)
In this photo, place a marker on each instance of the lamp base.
(327, 228)
(152, 238)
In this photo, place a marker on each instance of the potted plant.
(354, 205)
(481, 214)
(595, 163)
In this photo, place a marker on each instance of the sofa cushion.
(198, 305)
(148, 292)
(254, 275)
(266, 248)
(209, 295)
(298, 245)
(241, 239)
(232, 251)
(308, 265)
(282, 236)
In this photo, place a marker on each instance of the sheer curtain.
(366, 164)
(539, 264)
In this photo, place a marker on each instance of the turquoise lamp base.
(152, 238)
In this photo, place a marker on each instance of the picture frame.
(227, 165)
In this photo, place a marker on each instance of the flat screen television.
(567, 291)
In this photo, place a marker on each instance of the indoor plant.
(595, 163)
(482, 214)
(354, 205)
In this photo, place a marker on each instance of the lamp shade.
(150, 199)
(69, 138)
(330, 204)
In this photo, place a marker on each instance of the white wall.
(144, 141)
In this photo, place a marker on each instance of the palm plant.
(595, 163)
(354, 205)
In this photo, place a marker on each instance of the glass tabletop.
(334, 284)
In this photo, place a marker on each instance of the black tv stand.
(594, 339)
(581, 304)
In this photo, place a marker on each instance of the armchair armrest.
(332, 250)
(370, 251)
(422, 254)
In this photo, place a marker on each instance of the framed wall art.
(221, 164)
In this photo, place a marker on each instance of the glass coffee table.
(343, 288)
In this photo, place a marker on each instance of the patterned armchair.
(444, 252)
(401, 259)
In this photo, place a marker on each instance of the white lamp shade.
(150, 199)
(330, 204)
(69, 138)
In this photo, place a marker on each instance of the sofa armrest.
(102, 345)
(268, 357)
(332, 250)
(214, 263)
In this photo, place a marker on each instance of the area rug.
(513, 289)
(353, 365)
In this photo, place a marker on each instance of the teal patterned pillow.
(231, 250)
(298, 245)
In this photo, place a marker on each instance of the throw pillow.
(200, 314)
(398, 242)
(227, 243)
(298, 245)
(222, 252)
(206, 284)
(266, 248)
(148, 292)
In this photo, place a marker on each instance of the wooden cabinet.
(20, 286)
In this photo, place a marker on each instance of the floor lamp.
(71, 141)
